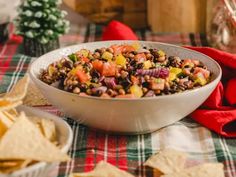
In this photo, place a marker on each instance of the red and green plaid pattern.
(126, 152)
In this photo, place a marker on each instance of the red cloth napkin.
(218, 112)
(118, 31)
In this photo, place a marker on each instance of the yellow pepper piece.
(84, 52)
(136, 90)
(172, 76)
(51, 70)
(136, 46)
(88, 83)
(107, 56)
(175, 70)
(147, 64)
(120, 60)
(74, 70)
(201, 81)
(161, 53)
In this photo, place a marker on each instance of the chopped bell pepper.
(175, 70)
(109, 69)
(147, 64)
(51, 70)
(84, 52)
(82, 76)
(73, 57)
(136, 90)
(120, 60)
(107, 56)
(201, 81)
(172, 76)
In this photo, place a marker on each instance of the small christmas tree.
(40, 22)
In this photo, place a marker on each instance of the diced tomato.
(157, 86)
(195, 62)
(126, 96)
(187, 62)
(141, 57)
(82, 76)
(83, 94)
(134, 80)
(128, 48)
(122, 48)
(190, 62)
(98, 65)
(109, 69)
(205, 72)
(85, 59)
(106, 69)
(117, 49)
(105, 95)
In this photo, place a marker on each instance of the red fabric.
(118, 31)
(16, 39)
(218, 112)
(216, 120)
(230, 93)
(216, 99)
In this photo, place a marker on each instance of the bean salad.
(125, 71)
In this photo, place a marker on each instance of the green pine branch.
(41, 20)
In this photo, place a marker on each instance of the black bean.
(125, 82)
(139, 66)
(145, 84)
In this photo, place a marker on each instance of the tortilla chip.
(7, 105)
(34, 97)
(13, 112)
(204, 170)
(13, 165)
(24, 141)
(10, 116)
(10, 166)
(46, 126)
(5, 123)
(167, 161)
(15, 96)
(6, 164)
(18, 91)
(49, 129)
(103, 169)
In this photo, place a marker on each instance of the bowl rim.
(215, 81)
(65, 148)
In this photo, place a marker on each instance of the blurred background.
(159, 15)
(216, 18)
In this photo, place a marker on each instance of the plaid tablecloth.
(126, 152)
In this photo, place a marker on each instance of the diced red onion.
(101, 78)
(157, 72)
(110, 82)
(143, 51)
(150, 93)
(103, 89)
(56, 84)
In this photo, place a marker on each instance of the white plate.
(65, 137)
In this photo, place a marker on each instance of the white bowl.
(65, 137)
(126, 115)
